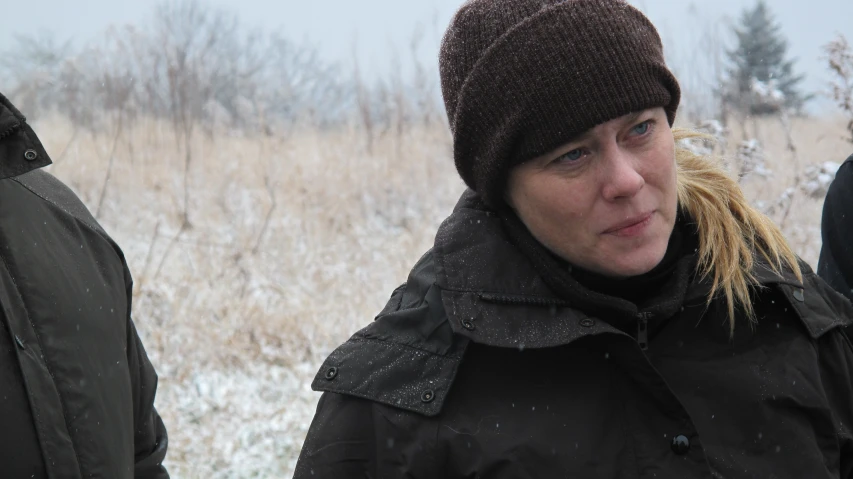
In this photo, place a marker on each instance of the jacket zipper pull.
(643, 331)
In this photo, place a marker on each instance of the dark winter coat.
(475, 369)
(77, 387)
(836, 254)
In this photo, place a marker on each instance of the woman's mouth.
(632, 226)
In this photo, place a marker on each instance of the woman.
(601, 303)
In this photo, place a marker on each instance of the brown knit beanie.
(522, 77)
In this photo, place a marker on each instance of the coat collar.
(9, 116)
(492, 294)
(20, 149)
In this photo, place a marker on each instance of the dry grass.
(236, 323)
(237, 315)
(815, 140)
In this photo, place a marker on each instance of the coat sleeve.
(150, 439)
(341, 442)
(835, 264)
(836, 363)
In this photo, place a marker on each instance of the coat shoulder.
(407, 357)
(48, 188)
(820, 307)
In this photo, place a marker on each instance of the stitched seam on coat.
(818, 352)
(393, 344)
(519, 295)
(846, 339)
(375, 399)
(46, 364)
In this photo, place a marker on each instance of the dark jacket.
(475, 369)
(836, 229)
(78, 388)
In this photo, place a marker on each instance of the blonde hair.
(731, 232)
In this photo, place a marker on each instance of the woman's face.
(606, 201)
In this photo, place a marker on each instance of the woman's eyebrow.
(631, 118)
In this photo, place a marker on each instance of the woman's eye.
(573, 155)
(642, 128)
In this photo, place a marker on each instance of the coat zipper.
(643, 330)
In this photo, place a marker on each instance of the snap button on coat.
(30, 154)
(428, 396)
(798, 295)
(331, 373)
(587, 322)
(468, 324)
(680, 445)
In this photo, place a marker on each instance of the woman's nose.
(621, 179)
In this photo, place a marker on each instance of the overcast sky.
(375, 28)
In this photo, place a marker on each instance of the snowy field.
(293, 244)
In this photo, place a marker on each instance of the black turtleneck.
(658, 294)
(637, 289)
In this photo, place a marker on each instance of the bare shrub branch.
(840, 59)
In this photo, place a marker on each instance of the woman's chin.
(637, 263)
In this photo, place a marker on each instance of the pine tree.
(759, 67)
